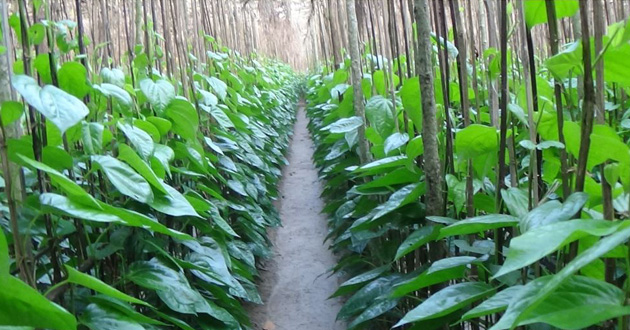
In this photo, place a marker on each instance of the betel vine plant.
(533, 232)
(132, 200)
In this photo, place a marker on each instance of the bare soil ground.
(296, 282)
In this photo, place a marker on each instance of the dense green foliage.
(555, 255)
(148, 200)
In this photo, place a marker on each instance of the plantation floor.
(295, 283)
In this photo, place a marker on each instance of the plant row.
(144, 200)
(503, 255)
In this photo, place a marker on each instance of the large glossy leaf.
(71, 188)
(218, 86)
(208, 254)
(476, 140)
(125, 179)
(115, 92)
(76, 277)
(577, 303)
(447, 300)
(404, 196)
(364, 297)
(173, 203)
(184, 117)
(98, 317)
(516, 201)
(345, 125)
(416, 239)
(106, 213)
(72, 77)
(539, 242)
(113, 76)
(62, 109)
(395, 141)
(377, 308)
(159, 93)
(92, 137)
(139, 139)
(127, 154)
(21, 305)
(440, 271)
(497, 303)
(553, 211)
(379, 113)
(478, 224)
(171, 286)
(523, 309)
(410, 97)
(359, 280)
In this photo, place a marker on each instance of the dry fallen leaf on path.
(269, 326)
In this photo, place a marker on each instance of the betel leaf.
(395, 141)
(184, 117)
(73, 79)
(478, 224)
(416, 239)
(21, 305)
(218, 86)
(76, 277)
(345, 125)
(379, 113)
(365, 296)
(553, 211)
(539, 242)
(125, 179)
(120, 95)
(440, 271)
(516, 201)
(159, 93)
(447, 300)
(577, 303)
(123, 308)
(130, 157)
(139, 139)
(171, 286)
(497, 303)
(92, 137)
(62, 205)
(476, 140)
(359, 280)
(97, 317)
(410, 97)
(405, 195)
(11, 111)
(525, 306)
(173, 203)
(113, 76)
(379, 165)
(62, 109)
(68, 186)
(378, 307)
(536, 11)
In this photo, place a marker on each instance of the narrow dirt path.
(296, 284)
